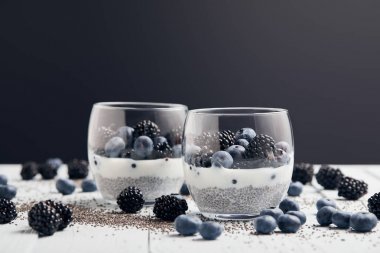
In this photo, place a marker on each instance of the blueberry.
(114, 146)
(237, 152)
(187, 225)
(363, 221)
(210, 230)
(341, 219)
(184, 190)
(54, 162)
(222, 159)
(143, 146)
(88, 185)
(283, 145)
(126, 133)
(3, 180)
(300, 215)
(7, 191)
(242, 142)
(287, 205)
(325, 202)
(245, 133)
(324, 215)
(265, 224)
(65, 186)
(177, 151)
(288, 223)
(275, 213)
(159, 140)
(281, 158)
(295, 189)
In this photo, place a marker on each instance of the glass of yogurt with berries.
(136, 144)
(237, 161)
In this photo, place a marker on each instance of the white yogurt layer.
(126, 167)
(236, 178)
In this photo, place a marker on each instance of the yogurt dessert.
(140, 156)
(247, 173)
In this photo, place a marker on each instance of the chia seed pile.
(245, 200)
(151, 186)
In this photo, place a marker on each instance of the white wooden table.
(18, 236)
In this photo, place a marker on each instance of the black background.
(319, 59)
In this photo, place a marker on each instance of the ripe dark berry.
(374, 204)
(44, 219)
(146, 128)
(261, 147)
(29, 170)
(47, 171)
(329, 177)
(64, 211)
(162, 150)
(352, 189)
(303, 172)
(77, 169)
(169, 207)
(130, 200)
(7, 211)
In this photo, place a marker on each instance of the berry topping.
(374, 204)
(261, 147)
(246, 134)
(222, 159)
(237, 152)
(184, 190)
(54, 162)
(143, 146)
(7, 191)
(146, 128)
(47, 171)
(162, 150)
(64, 211)
(325, 202)
(363, 221)
(300, 215)
(44, 219)
(341, 219)
(114, 146)
(3, 180)
(126, 133)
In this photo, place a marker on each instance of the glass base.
(233, 217)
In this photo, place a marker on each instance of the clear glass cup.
(237, 161)
(136, 144)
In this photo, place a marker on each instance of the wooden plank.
(239, 236)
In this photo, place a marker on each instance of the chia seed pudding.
(153, 177)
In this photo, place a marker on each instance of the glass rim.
(140, 106)
(238, 111)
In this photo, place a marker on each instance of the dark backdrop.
(319, 59)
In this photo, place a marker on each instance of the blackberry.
(64, 211)
(126, 153)
(374, 204)
(7, 211)
(216, 141)
(147, 128)
(47, 171)
(352, 189)
(226, 139)
(203, 159)
(29, 170)
(130, 200)
(174, 137)
(168, 207)
(44, 219)
(77, 169)
(329, 177)
(162, 150)
(303, 172)
(261, 147)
